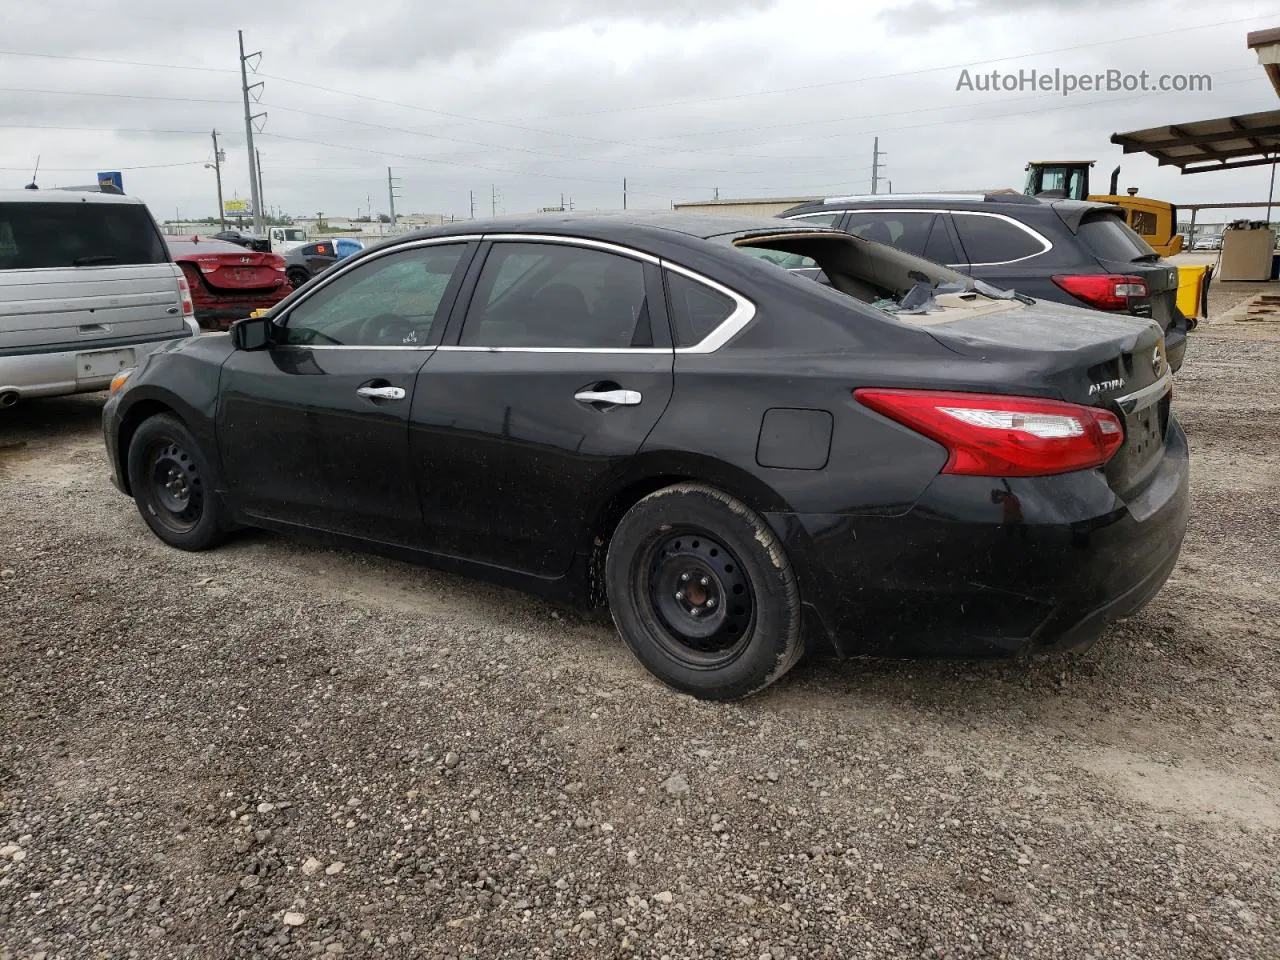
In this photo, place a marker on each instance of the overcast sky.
(538, 98)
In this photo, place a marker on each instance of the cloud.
(528, 101)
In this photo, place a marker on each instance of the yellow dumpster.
(1193, 289)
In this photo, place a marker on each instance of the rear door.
(313, 431)
(561, 367)
(84, 275)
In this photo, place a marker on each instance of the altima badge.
(1105, 386)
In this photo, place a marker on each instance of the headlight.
(119, 380)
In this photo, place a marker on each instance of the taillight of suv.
(1103, 291)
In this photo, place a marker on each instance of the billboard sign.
(236, 207)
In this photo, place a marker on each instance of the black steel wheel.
(702, 593)
(297, 277)
(175, 492)
(172, 484)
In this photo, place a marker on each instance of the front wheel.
(703, 593)
(172, 485)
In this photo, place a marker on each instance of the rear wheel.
(703, 594)
(297, 277)
(172, 485)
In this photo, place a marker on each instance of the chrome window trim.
(283, 320)
(574, 242)
(456, 348)
(350, 346)
(1044, 241)
(744, 312)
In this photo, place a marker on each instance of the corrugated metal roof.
(1247, 140)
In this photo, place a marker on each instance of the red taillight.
(989, 435)
(184, 291)
(209, 265)
(1103, 292)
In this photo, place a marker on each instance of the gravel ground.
(282, 750)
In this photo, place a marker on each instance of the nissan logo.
(1157, 361)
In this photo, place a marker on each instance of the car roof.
(1012, 203)
(622, 228)
(64, 196)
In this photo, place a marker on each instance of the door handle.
(381, 393)
(623, 398)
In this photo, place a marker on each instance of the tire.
(173, 485)
(690, 548)
(297, 278)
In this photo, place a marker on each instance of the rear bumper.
(64, 372)
(981, 567)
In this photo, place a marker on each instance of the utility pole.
(217, 172)
(624, 193)
(876, 154)
(392, 184)
(715, 193)
(249, 117)
(262, 197)
(473, 203)
(493, 199)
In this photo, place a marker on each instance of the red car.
(227, 281)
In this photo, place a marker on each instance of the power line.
(145, 166)
(482, 143)
(895, 76)
(124, 63)
(118, 96)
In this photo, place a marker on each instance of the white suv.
(87, 289)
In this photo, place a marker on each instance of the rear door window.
(46, 235)
(1110, 238)
(558, 295)
(991, 240)
(906, 231)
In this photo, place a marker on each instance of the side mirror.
(251, 334)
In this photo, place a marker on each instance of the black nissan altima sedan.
(668, 414)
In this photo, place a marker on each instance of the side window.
(906, 231)
(820, 219)
(939, 247)
(992, 240)
(696, 309)
(389, 301)
(558, 295)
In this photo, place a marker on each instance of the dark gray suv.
(1067, 251)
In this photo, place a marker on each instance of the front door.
(562, 367)
(313, 430)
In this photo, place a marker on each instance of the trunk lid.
(1097, 359)
(228, 267)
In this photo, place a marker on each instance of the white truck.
(279, 240)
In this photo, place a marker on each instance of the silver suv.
(87, 289)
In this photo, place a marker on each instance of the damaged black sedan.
(745, 464)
